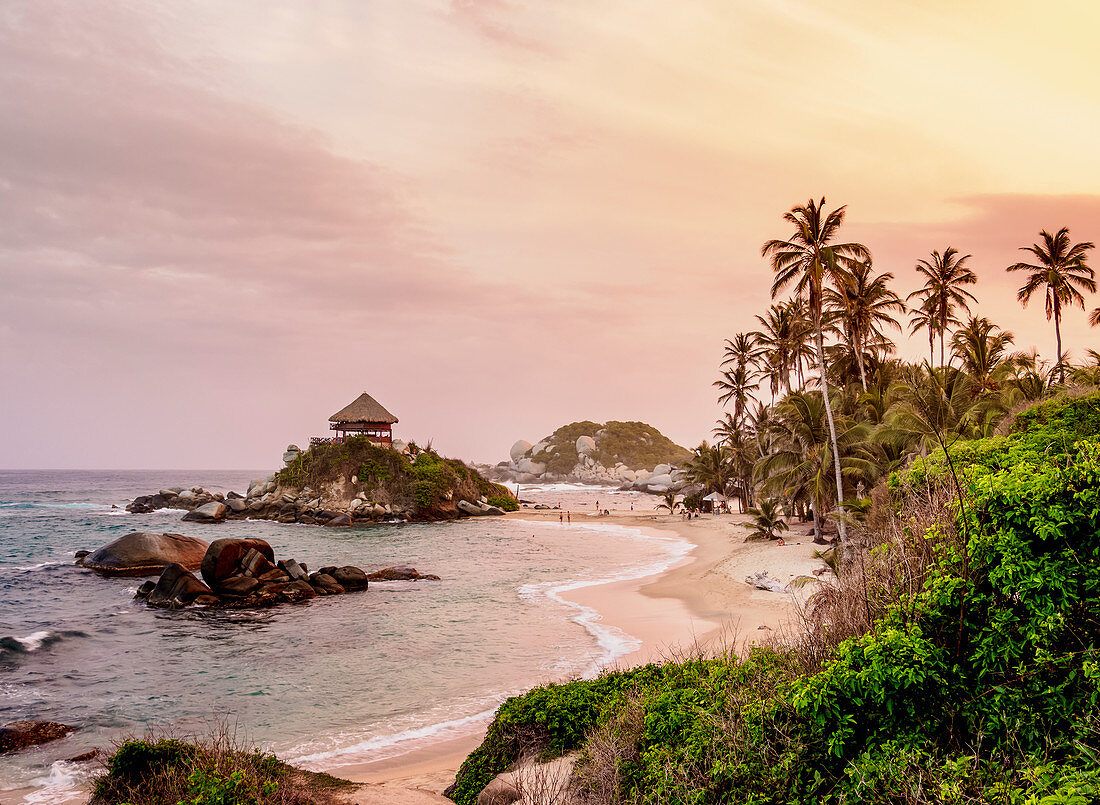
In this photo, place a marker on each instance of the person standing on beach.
(561, 517)
(597, 505)
(569, 517)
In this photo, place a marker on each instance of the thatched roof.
(364, 409)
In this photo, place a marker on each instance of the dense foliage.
(981, 683)
(423, 478)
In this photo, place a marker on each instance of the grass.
(215, 769)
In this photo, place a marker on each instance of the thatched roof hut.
(365, 416)
(363, 408)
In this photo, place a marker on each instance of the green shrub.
(506, 502)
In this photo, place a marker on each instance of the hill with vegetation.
(418, 481)
(619, 453)
(954, 658)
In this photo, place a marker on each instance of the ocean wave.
(61, 784)
(35, 641)
(379, 747)
(614, 642)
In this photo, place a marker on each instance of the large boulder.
(530, 467)
(350, 578)
(292, 453)
(223, 558)
(212, 512)
(141, 554)
(585, 445)
(177, 587)
(519, 450)
(21, 734)
(472, 509)
(662, 469)
(236, 505)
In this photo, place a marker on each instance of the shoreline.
(699, 603)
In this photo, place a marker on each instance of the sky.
(220, 222)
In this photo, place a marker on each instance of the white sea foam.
(614, 642)
(318, 755)
(62, 784)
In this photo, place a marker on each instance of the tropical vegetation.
(954, 658)
(818, 407)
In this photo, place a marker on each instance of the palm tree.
(711, 466)
(934, 408)
(811, 261)
(981, 346)
(669, 501)
(925, 317)
(740, 350)
(865, 304)
(943, 291)
(797, 465)
(737, 385)
(1094, 317)
(1063, 273)
(768, 520)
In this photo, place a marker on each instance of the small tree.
(768, 520)
(669, 501)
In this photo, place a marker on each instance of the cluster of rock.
(339, 503)
(523, 469)
(267, 500)
(235, 572)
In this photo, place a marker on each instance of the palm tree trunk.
(1058, 340)
(862, 371)
(832, 436)
(819, 537)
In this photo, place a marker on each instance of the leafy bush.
(214, 770)
(506, 502)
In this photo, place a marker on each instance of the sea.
(330, 682)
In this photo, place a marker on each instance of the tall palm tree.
(1062, 273)
(865, 305)
(737, 385)
(740, 350)
(811, 261)
(925, 317)
(945, 275)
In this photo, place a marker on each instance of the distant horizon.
(223, 222)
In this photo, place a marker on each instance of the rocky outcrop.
(141, 554)
(626, 455)
(21, 734)
(243, 573)
(212, 512)
(341, 499)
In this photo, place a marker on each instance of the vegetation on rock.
(210, 771)
(635, 444)
(423, 478)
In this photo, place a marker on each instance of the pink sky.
(219, 222)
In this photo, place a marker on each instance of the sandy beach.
(701, 603)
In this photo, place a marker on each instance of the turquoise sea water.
(336, 680)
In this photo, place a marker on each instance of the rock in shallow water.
(21, 734)
(213, 512)
(223, 558)
(141, 554)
